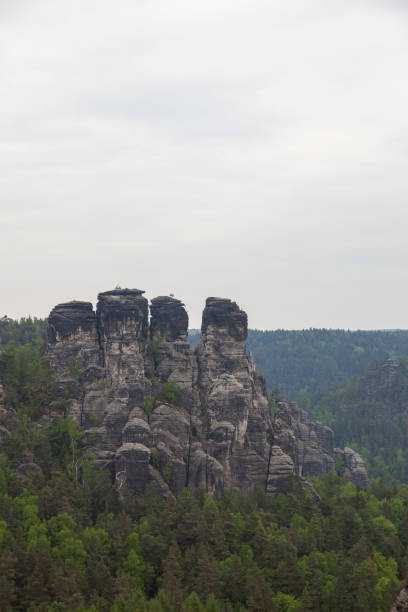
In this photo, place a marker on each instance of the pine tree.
(212, 605)
(173, 576)
(208, 582)
(193, 603)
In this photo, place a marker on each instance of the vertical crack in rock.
(174, 368)
(100, 344)
(122, 316)
(157, 412)
(268, 468)
(81, 419)
(189, 451)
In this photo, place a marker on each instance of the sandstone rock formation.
(352, 466)
(400, 603)
(158, 412)
(4, 432)
(27, 465)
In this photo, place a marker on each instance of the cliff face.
(157, 412)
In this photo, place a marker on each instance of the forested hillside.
(370, 414)
(70, 541)
(310, 360)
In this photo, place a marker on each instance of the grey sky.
(249, 149)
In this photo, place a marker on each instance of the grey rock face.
(73, 340)
(27, 466)
(353, 466)
(400, 603)
(222, 343)
(389, 369)
(7, 416)
(123, 334)
(2, 408)
(235, 409)
(170, 356)
(4, 434)
(132, 462)
(67, 319)
(169, 320)
(281, 467)
(314, 444)
(157, 412)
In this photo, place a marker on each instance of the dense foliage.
(313, 359)
(24, 371)
(310, 360)
(24, 331)
(370, 414)
(69, 540)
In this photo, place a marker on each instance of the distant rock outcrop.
(400, 603)
(158, 412)
(4, 432)
(352, 466)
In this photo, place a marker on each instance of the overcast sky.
(249, 149)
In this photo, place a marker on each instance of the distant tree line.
(310, 360)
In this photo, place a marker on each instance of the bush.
(153, 380)
(148, 405)
(154, 457)
(171, 392)
(153, 347)
(75, 368)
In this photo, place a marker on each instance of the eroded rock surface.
(352, 466)
(157, 412)
(400, 603)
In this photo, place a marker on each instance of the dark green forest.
(370, 414)
(310, 360)
(25, 331)
(70, 541)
